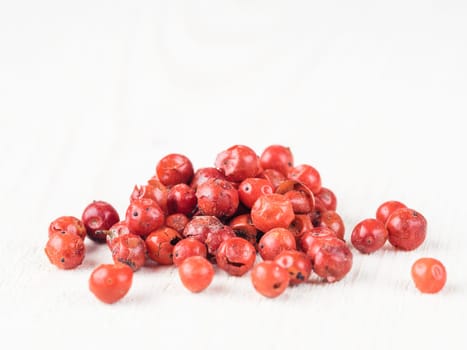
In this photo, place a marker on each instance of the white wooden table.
(93, 93)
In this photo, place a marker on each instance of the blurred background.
(94, 93)
(104, 89)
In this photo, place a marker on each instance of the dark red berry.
(98, 217)
(181, 199)
(328, 198)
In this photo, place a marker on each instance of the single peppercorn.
(217, 197)
(429, 275)
(238, 163)
(236, 256)
(98, 217)
(369, 235)
(196, 273)
(65, 250)
(270, 279)
(406, 229)
(271, 211)
(275, 241)
(174, 169)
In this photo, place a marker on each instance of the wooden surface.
(93, 94)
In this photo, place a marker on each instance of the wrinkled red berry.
(215, 239)
(160, 245)
(218, 198)
(65, 250)
(332, 259)
(154, 190)
(271, 211)
(68, 224)
(118, 229)
(236, 256)
(208, 230)
(128, 249)
(199, 227)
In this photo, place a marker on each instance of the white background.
(94, 93)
